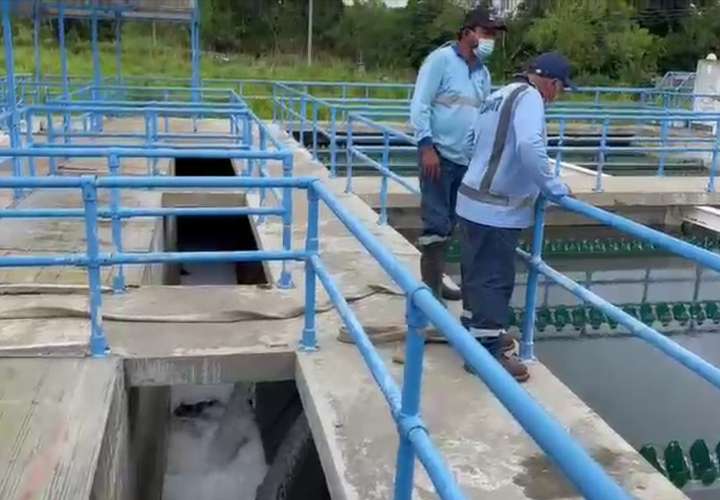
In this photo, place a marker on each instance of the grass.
(171, 57)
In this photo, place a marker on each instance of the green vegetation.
(170, 57)
(614, 42)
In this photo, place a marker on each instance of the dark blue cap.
(553, 65)
(483, 18)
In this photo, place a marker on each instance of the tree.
(698, 35)
(430, 23)
(265, 26)
(371, 33)
(600, 37)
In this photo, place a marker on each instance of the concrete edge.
(329, 458)
(211, 368)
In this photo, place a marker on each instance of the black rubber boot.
(432, 266)
(450, 289)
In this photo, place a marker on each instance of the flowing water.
(215, 451)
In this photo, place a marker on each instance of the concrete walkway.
(356, 438)
(54, 417)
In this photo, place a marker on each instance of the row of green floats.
(580, 317)
(681, 468)
(599, 247)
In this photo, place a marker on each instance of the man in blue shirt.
(509, 169)
(452, 84)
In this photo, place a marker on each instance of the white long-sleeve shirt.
(509, 165)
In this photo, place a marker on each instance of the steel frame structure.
(94, 11)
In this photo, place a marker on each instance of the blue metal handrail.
(534, 259)
(661, 240)
(415, 442)
(295, 104)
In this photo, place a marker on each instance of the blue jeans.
(437, 203)
(487, 266)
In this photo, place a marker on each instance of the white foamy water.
(216, 454)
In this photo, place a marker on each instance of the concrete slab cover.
(53, 416)
(490, 454)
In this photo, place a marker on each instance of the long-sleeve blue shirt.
(509, 165)
(445, 103)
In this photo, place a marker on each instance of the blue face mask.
(484, 48)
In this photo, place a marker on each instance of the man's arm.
(426, 87)
(529, 123)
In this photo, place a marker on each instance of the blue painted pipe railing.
(582, 471)
(415, 442)
(290, 102)
(534, 259)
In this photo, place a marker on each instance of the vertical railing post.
(303, 111)
(333, 141)
(64, 70)
(11, 101)
(96, 118)
(527, 350)
(561, 143)
(154, 139)
(314, 129)
(29, 140)
(664, 129)
(249, 143)
(411, 393)
(148, 140)
(247, 138)
(282, 110)
(51, 140)
(98, 343)
(601, 155)
(261, 169)
(699, 269)
(119, 278)
(384, 180)
(166, 117)
(195, 57)
(274, 102)
(349, 154)
(287, 201)
(715, 159)
(309, 338)
(36, 46)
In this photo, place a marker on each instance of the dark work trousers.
(487, 266)
(437, 202)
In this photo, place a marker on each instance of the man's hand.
(430, 162)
